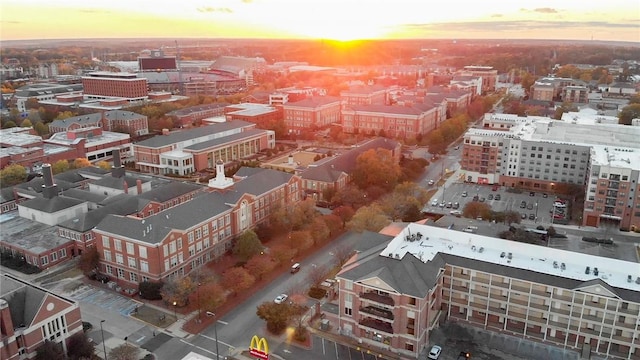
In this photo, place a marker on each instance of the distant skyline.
(611, 20)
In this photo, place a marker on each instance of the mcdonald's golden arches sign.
(259, 348)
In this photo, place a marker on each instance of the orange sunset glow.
(617, 20)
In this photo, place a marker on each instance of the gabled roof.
(346, 162)
(225, 139)
(314, 102)
(170, 191)
(52, 205)
(84, 222)
(35, 185)
(155, 228)
(117, 182)
(6, 195)
(258, 184)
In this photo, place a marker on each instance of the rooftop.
(29, 235)
(512, 254)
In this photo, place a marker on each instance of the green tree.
(13, 174)
(247, 245)
(125, 351)
(237, 279)
(60, 166)
(370, 218)
(41, 129)
(376, 167)
(26, 123)
(629, 113)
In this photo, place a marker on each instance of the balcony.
(377, 325)
(381, 299)
(376, 311)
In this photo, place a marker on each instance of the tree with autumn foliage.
(177, 291)
(210, 296)
(476, 209)
(371, 218)
(301, 240)
(103, 165)
(345, 213)
(376, 167)
(80, 163)
(237, 279)
(259, 265)
(333, 223)
(60, 166)
(283, 254)
(319, 230)
(89, 260)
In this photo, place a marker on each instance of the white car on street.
(281, 298)
(434, 353)
(434, 202)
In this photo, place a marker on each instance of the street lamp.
(215, 332)
(175, 313)
(104, 347)
(536, 220)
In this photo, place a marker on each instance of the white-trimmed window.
(205, 230)
(142, 250)
(63, 253)
(44, 260)
(198, 234)
(120, 273)
(105, 242)
(117, 244)
(144, 266)
(191, 237)
(198, 246)
(172, 247)
(132, 262)
(109, 269)
(207, 242)
(120, 259)
(54, 256)
(130, 249)
(107, 255)
(133, 276)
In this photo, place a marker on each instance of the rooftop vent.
(563, 266)
(510, 256)
(481, 250)
(397, 256)
(555, 264)
(629, 278)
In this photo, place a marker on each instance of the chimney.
(117, 170)
(165, 131)
(139, 186)
(50, 190)
(125, 186)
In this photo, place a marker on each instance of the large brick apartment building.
(584, 149)
(396, 291)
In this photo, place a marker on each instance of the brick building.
(104, 84)
(395, 291)
(29, 315)
(311, 113)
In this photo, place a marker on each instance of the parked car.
(544, 195)
(434, 202)
(281, 298)
(464, 194)
(490, 197)
(431, 182)
(442, 204)
(532, 216)
(523, 205)
(523, 216)
(497, 197)
(532, 193)
(530, 206)
(482, 199)
(434, 353)
(456, 205)
(449, 205)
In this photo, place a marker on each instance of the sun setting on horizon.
(616, 20)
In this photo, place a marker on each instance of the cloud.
(209, 9)
(511, 26)
(497, 15)
(545, 10)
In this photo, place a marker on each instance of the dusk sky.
(617, 20)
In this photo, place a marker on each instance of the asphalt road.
(235, 329)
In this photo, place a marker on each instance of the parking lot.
(536, 207)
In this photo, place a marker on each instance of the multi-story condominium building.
(393, 294)
(392, 120)
(175, 241)
(575, 94)
(104, 85)
(550, 88)
(335, 172)
(488, 74)
(184, 152)
(114, 120)
(613, 187)
(31, 315)
(311, 113)
(365, 95)
(585, 149)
